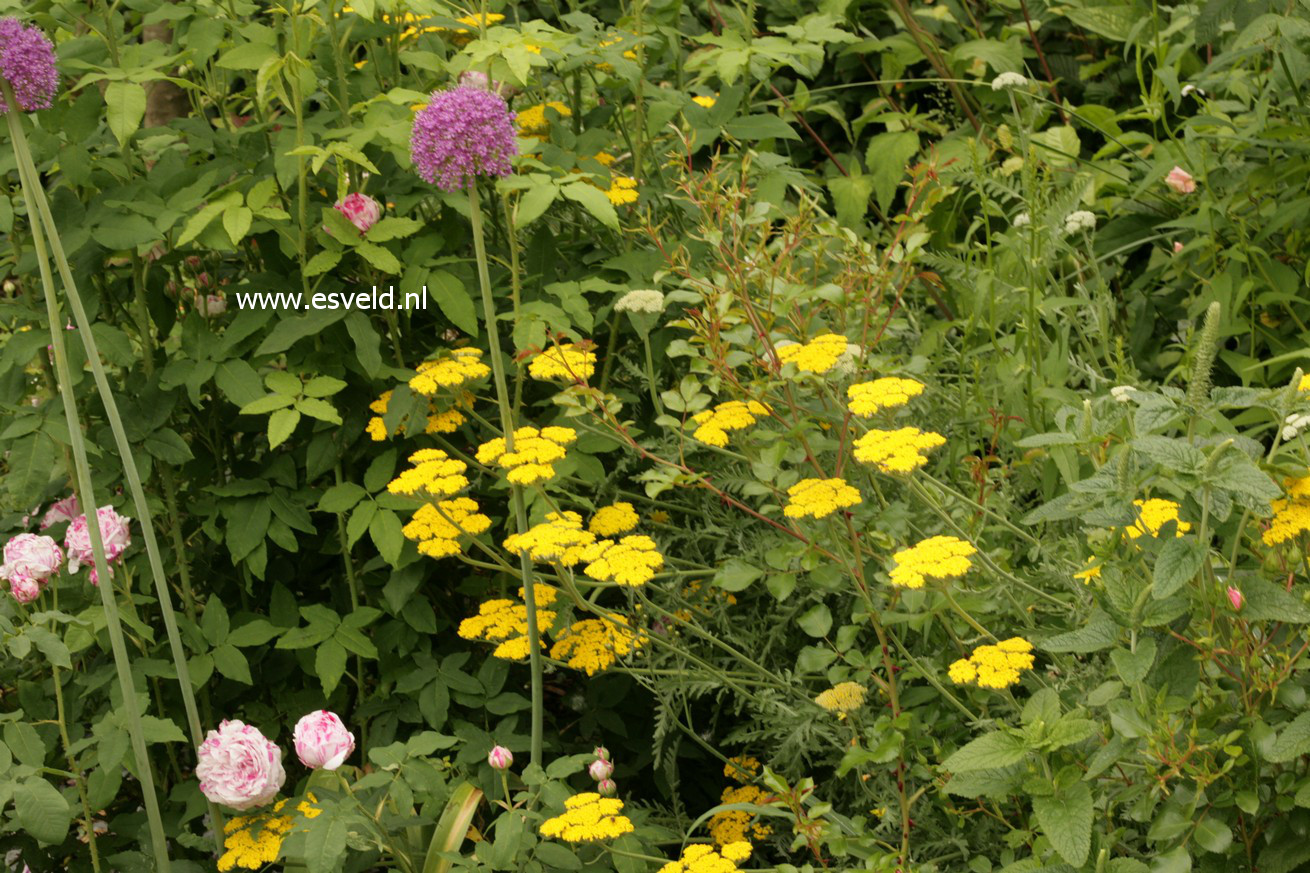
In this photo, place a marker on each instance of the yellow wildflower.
(450, 371)
(1090, 572)
(742, 768)
(1152, 515)
(707, 102)
(1304, 384)
(633, 560)
(700, 858)
(869, 398)
(842, 698)
(437, 528)
(737, 825)
(896, 451)
(996, 667)
(434, 472)
(819, 355)
(534, 456)
(505, 621)
(253, 841)
(1297, 489)
(622, 190)
(940, 557)
(614, 519)
(819, 498)
(438, 421)
(593, 644)
(533, 121)
(713, 424)
(568, 361)
(559, 539)
(1291, 518)
(588, 818)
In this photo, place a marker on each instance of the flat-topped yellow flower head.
(940, 557)
(819, 498)
(818, 356)
(870, 398)
(712, 425)
(588, 818)
(452, 370)
(434, 473)
(1152, 515)
(896, 451)
(568, 362)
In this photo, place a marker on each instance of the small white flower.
(1009, 80)
(1294, 424)
(1123, 393)
(1021, 220)
(645, 300)
(1080, 220)
(1192, 89)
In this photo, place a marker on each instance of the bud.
(601, 770)
(602, 753)
(1235, 598)
(607, 788)
(500, 758)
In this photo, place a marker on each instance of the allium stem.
(520, 511)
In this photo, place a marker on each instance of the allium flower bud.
(461, 134)
(1235, 598)
(362, 210)
(27, 62)
(500, 758)
(1180, 181)
(601, 770)
(607, 788)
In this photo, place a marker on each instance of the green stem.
(650, 376)
(77, 774)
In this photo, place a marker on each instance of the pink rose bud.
(29, 562)
(601, 770)
(115, 531)
(238, 766)
(500, 758)
(23, 589)
(1180, 181)
(322, 741)
(602, 753)
(1178, 247)
(210, 305)
(607, 788)
(362, 210)
(1235, 598)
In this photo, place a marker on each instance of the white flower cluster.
(1021, 220)
(1123, 393)
(1080, 220)
(644, 300)
(1294, 424)
(1009, 80)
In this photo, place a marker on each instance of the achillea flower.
(439, 421)
(1080, 220)
(632, 561)
(505, 621)
(437, 528)
(940, 557)
(559, 539)
(1008, 80)
(896, 451)
(534, 456)
(254, 841)
(461, 134)
(645, 300)
(1291, 518)
(533, 121)
(737, 825)
(819, 498)
(593, 644)
(569, 362)
(742, 768)
(622, 190)
(1152, 515)
(27, 62)
(457, 368)
(588, 818)
(1304, 384)
(819, 355)
(996, 667)
(1297, 489)
(869, 398)
(842, 698)
(713, 424)
(434, 472)
(700, 858)
(614, 519)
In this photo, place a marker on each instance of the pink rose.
(61, 511)
(1180, 181)
(210, 305)
(600, 770)
(115, 531)
(500, 758)
(322, 741)
(362, 210)
(1235, 598)
(29, 562)
(238, 767)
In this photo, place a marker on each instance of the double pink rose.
(115, 531)
(322, 741)
(362, 210)
(29, 562)
(239, 767)
(61, 511)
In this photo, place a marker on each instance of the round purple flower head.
(27, 61)
(461, 134)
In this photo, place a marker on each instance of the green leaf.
(239, 382)
(1213, 835)
(850, 194)
(323, 386)
(1265, 601)
(329, 665)
(381, 258)
(166, 445)
(229, 661)
(161, 730)
(988, 752)
(253, 633)
(267, 403)
(1293, 741)
(1133, 666)
(888, 157)
(594, 201)
(322, 262)
(454, 300)
(26, 744)
(1100, 632)
(125, 106)
(533, 204)
(341, 497)
(317, 408)
(280, 426)
(385, 531)
(1179, 561)
(756, 127)
(236, 221)
(124, 231)
(326, 843)
(1058, 146)
(42, 811)
(1066, 820)
(1173, 454)
(392, 228)
(736, 575)
(816, 621)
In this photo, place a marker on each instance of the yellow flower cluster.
(569, 362)
(700, 858)
(940, 557)
(842, 698)
(252, 841)
(588, 818)
(449, 371)
(742, 768)
(1304, 384)
(459, 35)
(819, 355)
(534, 456)
(819, 498)
(505, 621)
(995, 666)
(622, 190)
(437, 528)
(896, 451)
(434, 472)
(713, 424)
(1291, 518)
(737, 825)
(533, 121)
(633, 560)
(438, 421)
(869, 398)
(1152, 515)
(1297, 489)
(614, 519)
(559, 539)
(593, 644)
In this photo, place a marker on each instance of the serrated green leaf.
(1179, 561)
(988, 752)
(1066, 820)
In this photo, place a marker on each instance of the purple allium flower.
(461, 134)
(27, 61)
